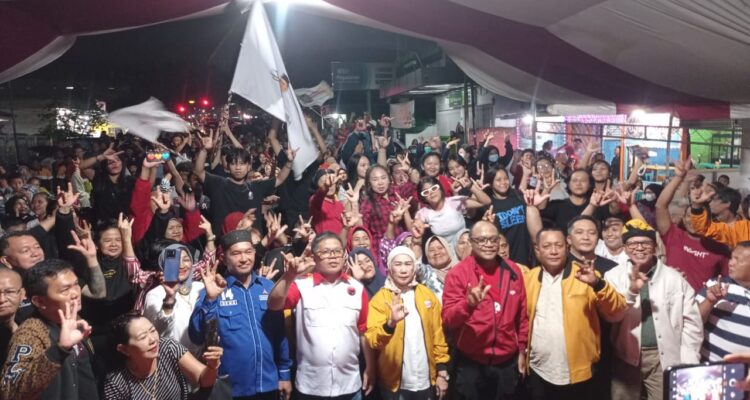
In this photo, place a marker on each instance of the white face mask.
(649, 197)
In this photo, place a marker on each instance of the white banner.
(402, 115)
(147, 119)
(314, 96)
(261, 78)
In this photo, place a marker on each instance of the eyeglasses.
(646, 245)
(328, 253)
(431, 189)
(487, 240)
(10, 293)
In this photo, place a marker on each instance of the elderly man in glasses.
(12, 292)
(484, 308)
(663, 327)
(331, 320)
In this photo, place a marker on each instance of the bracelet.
(211, 238)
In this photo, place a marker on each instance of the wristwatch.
(444, 376)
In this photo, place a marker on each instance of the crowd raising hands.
(437, 269)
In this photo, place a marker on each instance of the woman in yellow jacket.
(404, 325)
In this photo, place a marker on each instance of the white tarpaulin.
(402, 115)
(261, 78)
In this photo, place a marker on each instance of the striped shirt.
(727, 329)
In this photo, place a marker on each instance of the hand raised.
(72, 330)
(213, 281)
(398, 311)
(475, 294)
(587, 274)
(717, 291)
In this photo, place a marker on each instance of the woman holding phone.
(155, 368)
(169, 305)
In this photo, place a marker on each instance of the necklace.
(184, 290)
(152, 392)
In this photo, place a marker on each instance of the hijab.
(441, 273)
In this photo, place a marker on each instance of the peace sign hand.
(587, 274)
(475, 294)
(304, 229)
(637, 280)
(398, 311)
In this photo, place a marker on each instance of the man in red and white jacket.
(484, 310)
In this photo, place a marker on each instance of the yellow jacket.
(390, 346)
(739, 231)
(581, 308)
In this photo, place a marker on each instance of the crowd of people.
(199, 268)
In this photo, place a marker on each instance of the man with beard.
(236, 192)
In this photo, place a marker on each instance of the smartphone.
(171, 266)
(154, 155)
(533, 182)
(713, 381)
(639, 195)
(212, 332)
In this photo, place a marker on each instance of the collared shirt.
(727, 328)
(549, 356)
(675, 317)
(256, 351)
(330, 318)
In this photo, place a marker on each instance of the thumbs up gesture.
(475, 294)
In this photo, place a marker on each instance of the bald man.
(483, 292)
(11, 295)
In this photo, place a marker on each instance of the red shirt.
(326, 213)
(698, 258)
(497, 329)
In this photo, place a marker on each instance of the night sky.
(191, 59)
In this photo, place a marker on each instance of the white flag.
(316, 95)
(147, 119)
(260, 77)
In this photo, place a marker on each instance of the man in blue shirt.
(256, 351)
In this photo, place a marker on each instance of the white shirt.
(677, 320)
(603, 251)
(415, 372)
(328, 338)
(174, 325)
(448, 221)
(549, 355)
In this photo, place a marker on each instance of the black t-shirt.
(120, 297)
(295, 195)
(510, 219)
(560, 212)
(227, 197)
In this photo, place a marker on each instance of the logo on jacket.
(427, 304)
(227, 298)
(14, 371)
(498, 307)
